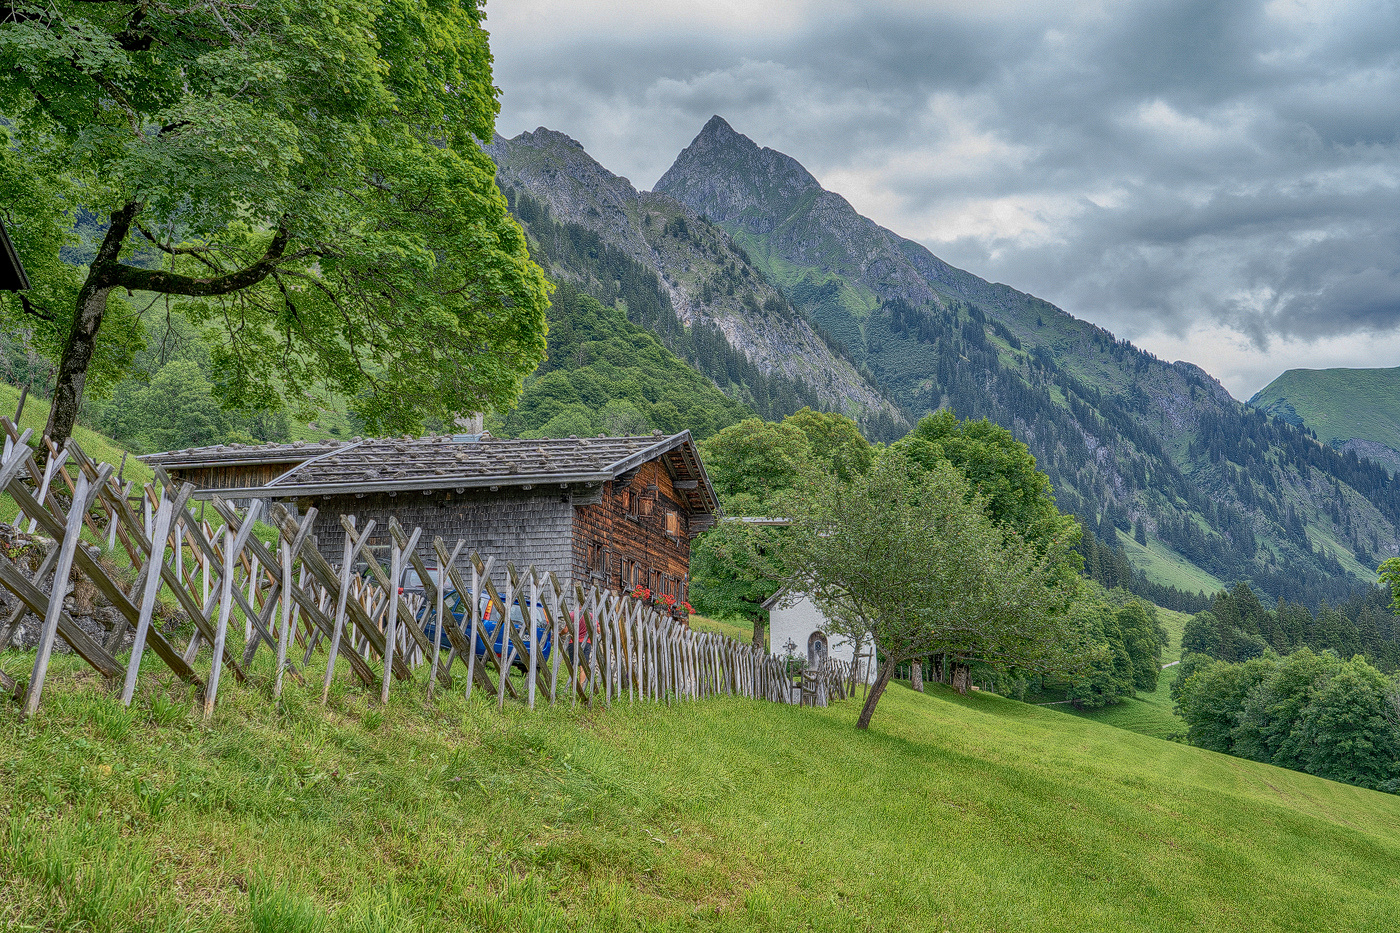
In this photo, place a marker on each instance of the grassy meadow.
(975, 814)
(1339, 404)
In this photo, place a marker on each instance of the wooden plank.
(527, 619)
(83, 494)
(501, 607)
(371, 632)
(36, 601)
(391, 622)
(164, 514)
(429, 587)
(12, 623)
(466, 644)
(225, 609)
(323, 574)
(437, 615)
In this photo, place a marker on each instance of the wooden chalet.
(12, 277)
(615, 511)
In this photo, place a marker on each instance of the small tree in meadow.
(906, 556)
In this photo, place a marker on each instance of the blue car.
(490, 627)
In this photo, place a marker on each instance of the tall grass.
(973, 813)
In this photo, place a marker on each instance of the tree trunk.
(873, 697)
(962, 676)
(916, 675)
(940, 669)
(77, 354)
(87, 321)
(758, 633)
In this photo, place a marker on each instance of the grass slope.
(973, 813)
(1166, 567)
(1338, 404)
(96, 446)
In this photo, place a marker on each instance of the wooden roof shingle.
(455, 462)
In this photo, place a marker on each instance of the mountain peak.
(717, 127)
(731, 175)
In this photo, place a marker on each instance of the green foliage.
(306, 175)
(735, 567)
(1238, 627)
(1124, 646)
(606, 375)
(906, 558)
(1308, 712)
(999, 469)
(754, 462)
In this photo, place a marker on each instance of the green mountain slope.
(950, 814)
(1351, 409)
(606, 375)
(1127, 439)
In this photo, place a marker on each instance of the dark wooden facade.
(638, 534)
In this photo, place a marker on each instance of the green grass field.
(96, 446)
(1166, 567)
(957, 814)
(739, 631)
(1339, 403)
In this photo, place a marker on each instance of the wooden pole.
(72, 538)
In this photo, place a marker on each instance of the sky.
(1216, 181)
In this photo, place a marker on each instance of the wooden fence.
(562, 643)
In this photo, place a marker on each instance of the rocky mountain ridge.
(706, 279)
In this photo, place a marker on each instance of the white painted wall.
(795, 617)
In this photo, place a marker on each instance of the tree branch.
(33, 311)
(170, 283)
(194, 251)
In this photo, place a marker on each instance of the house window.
(673, 523)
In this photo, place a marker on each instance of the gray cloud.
(1162, 167)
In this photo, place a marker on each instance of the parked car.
(490, 630)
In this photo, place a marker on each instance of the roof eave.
(419, 484)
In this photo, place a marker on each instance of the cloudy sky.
(1217, 181)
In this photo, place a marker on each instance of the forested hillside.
(606, 375)
(1155, 450)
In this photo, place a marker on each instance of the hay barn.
(617, 511)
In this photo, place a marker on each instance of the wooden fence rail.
(520, 634)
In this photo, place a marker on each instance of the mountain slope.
(702, 281)
(1350, 409)
(1131, 442)
(606, 375)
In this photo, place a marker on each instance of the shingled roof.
(454, 462)
(242, 454)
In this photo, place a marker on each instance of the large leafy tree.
(1001, 473)
(304, 175)
(999, 469)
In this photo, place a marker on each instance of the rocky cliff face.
(707, 278)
